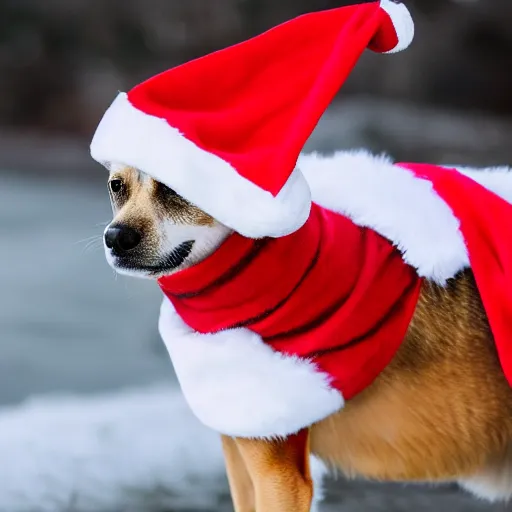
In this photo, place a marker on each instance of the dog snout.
(121, 239)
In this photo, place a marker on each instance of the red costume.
(309, 300)
(333, 292)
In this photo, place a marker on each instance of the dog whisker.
(95, 244)
(88, 239)
(92, 243)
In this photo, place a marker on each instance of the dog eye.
(116, 186)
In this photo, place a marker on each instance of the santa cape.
(334, 293)
(441, 220)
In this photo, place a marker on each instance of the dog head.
(155, 231)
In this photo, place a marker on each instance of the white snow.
(135, 450)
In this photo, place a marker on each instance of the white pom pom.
(402, 21)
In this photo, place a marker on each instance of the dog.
(441, 411)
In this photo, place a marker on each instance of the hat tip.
(402, 23)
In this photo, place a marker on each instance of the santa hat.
(225, 130)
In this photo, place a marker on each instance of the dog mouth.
(167, 264)
(177, 257)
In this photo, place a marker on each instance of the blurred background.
(90, 415)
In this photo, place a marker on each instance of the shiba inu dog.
(440, 411)
(347, 307)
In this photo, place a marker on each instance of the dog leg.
(240, 484)
(280, 472)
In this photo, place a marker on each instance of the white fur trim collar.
(239, 386)
(376, 193)
(234, 382)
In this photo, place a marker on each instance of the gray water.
(68, 323)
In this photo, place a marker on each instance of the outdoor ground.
(69, 325)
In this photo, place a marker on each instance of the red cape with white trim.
(485, 225)
(442, 221)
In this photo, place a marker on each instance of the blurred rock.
(61, 63)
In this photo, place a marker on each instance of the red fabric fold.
(486, 225)
(333, 292)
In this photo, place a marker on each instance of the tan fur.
(272, 476)
(138, 204)
(441, 411)
(163, 219)
(240, 481)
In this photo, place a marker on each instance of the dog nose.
(121, 238)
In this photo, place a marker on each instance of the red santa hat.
(225, 130)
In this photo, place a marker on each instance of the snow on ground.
(134, 450)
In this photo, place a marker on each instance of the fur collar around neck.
(240, 383)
